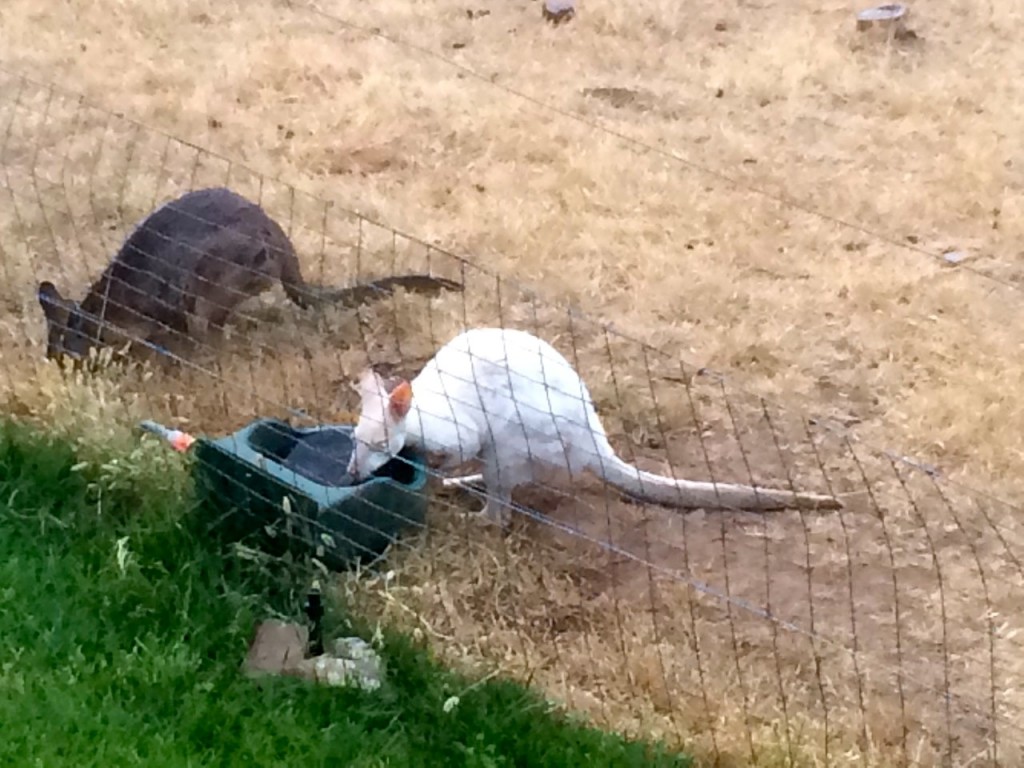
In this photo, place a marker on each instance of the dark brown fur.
(188, 266)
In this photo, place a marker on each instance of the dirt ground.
(892, 628)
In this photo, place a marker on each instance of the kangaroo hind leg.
(498, 507)
(295, 286)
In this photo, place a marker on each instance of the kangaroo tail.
(690, 494)
(364, 293)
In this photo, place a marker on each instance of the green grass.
(135, 660)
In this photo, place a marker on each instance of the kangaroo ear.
(370, 384)
(400, 400)
(47, 292)
(55, 307)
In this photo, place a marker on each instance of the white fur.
(513, 401)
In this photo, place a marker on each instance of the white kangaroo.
(513, 401)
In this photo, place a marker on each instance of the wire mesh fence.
(986, 267)
(878, 623)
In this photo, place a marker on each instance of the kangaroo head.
(381, 429)
(68, 329)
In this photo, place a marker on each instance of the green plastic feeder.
(288, 489)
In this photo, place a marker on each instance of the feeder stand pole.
(314, 611)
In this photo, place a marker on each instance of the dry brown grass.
(921, 142)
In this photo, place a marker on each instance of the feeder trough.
(283, 488)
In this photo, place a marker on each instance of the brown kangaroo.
(187, 267)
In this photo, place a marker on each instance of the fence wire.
(884, 632)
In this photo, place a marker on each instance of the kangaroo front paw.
(496, 513)
(197, 326)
